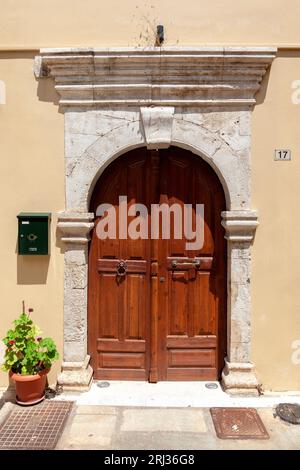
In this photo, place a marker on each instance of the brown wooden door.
(191, 318)
(165, 319)
(119, 307)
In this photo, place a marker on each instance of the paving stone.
(165, 428)
(176, 420)
(90, 432)
(95, 410)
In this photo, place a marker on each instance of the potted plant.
(28, 358)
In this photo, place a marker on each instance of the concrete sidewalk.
(125, 428)
(139, 415)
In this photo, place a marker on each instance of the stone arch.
(183, 145)
(217, 142)
(222, 139)
(87, 168)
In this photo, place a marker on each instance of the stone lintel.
(175, 76)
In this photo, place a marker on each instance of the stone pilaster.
(74, 231)
(238, 376)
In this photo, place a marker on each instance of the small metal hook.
(160, 37)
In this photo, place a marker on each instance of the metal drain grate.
(238, 423)
(38, 427)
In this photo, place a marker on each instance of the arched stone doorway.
(164, 316)
(199, 99)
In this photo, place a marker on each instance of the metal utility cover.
(289, 412)
(238, 423)
(37, 428)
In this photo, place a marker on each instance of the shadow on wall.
(261, 94)
(45, 87)
(59, 243)
(46, 91)
(32, 269)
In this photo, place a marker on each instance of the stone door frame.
(199, 99)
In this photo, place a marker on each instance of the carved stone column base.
(76, 376)
(238, 378)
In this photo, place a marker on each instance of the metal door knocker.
(121, 268)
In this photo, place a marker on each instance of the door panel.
(191, 358)
(119, 305)
(189, 308)
(165, 318)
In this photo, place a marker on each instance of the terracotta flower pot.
(30, 389)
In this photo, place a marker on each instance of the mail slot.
(33, 233)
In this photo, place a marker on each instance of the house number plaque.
(282, 154)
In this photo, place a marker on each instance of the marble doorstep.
(164, 394)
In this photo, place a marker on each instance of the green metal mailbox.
(33, 236)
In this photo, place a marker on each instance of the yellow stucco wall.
(31, 179)
(276, 250)
(132, 22)
(32, 165)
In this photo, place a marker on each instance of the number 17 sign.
(282, 154)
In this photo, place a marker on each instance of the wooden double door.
(156, 310)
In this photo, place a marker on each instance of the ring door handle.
(121, 268)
